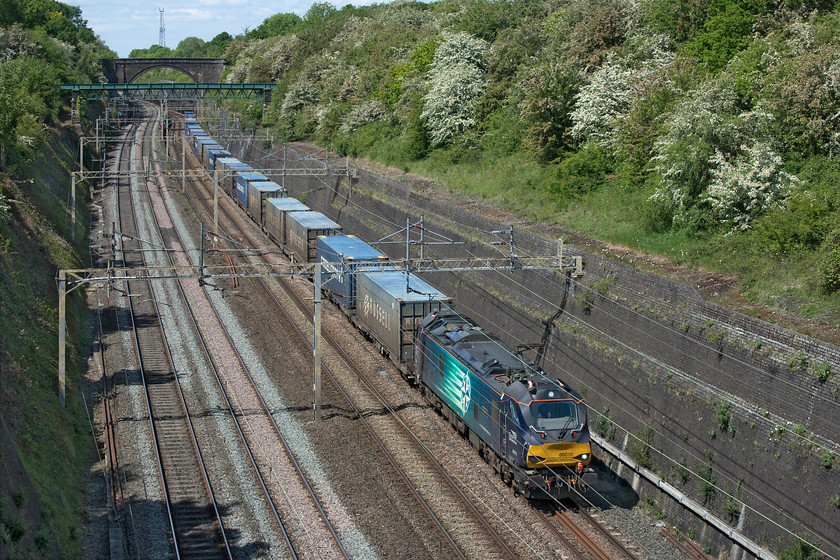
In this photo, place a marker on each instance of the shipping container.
(302, 232)
(214, 154)
(205, 152)
(198, 141)
(226, 168)
(390, 305)
(339, 255)
(193, 128)
(241, 180)
(276, 210)
(258, 193)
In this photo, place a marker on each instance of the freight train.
(531, 427)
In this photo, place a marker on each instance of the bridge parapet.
(126, 70)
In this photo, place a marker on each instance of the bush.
(640, 448)
(798, 548)
(829, 279)
(605, 426)
(748, 186)
(723, 416)
(582, 172)
(549, 99)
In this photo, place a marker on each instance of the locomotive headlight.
(583, 456)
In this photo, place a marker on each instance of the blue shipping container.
(217, 153)
(340, 254)
(242, 179)
(198, 141)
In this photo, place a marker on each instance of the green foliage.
(28, 99)
(726, 32)
(154, 51)
(547, 107)
(419, 62)
(278, 24)
(56, 19)
(799, 362)
(218, 45)
(827, 460)
(416, 142)
(798, 548)
(485, 19)
(822, 371)
(641, 445)
(723, 417)
(582, 173)
(803, 94)
(605, 425)
(683, 472)
(829, 279)
(706, 483)
(598, 29)
(681, 19)
(5, 210)
(190, 47)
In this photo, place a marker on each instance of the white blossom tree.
(370, 111)
(745, 187)
(707, 122)
(613, 88)
(457, 82)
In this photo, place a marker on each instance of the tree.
(278, 24)
(191, 47)
(218, 45)
(746, 186)
(456, 83)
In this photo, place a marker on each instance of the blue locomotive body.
(531, 428)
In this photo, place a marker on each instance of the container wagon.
(276, 210)
(302, 232)
(340, 254)
(258, 193)
(390, 306)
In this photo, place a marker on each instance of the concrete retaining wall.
(711, 391)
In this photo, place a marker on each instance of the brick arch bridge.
(201, 70)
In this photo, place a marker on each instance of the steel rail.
(359, 414)
(165, 480)
(279, 433)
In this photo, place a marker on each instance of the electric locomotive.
(531, 428)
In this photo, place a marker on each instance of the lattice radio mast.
(162, 36)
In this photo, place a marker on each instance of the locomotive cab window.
(554, 415)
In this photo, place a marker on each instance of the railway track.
(259, 433)
(581, 544)
(194, 519)
(426, 459)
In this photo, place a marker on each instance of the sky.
(128, 24)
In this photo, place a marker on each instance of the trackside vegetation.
(705, 131)
(44, 449)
